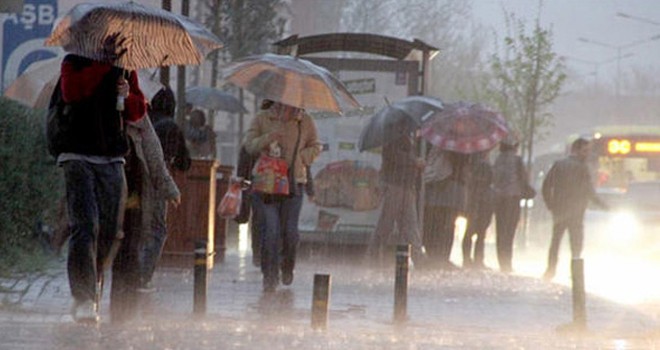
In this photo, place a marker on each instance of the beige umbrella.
(292, 81)
(34, 87)
(151, 37)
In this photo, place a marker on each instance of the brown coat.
(260, 135)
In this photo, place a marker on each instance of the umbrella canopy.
(212, 98)
(465, 127)
(292, 81)
(34, 87)
(152, 37)
(401, 116)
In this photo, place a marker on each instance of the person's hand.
(122, 87)
(176, 201)
(112, 47)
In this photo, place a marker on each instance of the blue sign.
(23, 37)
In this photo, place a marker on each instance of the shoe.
(146, 288)
(448, 266)
(548, 275)
(287, 277)
(269, 287)
(85, 312)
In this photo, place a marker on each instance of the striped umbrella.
(152, 37)
(292, 81)
(465, 128)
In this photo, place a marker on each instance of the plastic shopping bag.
(230, 205)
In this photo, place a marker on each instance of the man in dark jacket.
(91, 151)
(567, 189)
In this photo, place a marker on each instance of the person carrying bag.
(285, 133)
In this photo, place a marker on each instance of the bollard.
(579, 297)
(201, 278)
(320, 301)
(401, 283)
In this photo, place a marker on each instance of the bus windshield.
(620, 160)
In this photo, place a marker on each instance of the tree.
(526, 80)
(445, 24)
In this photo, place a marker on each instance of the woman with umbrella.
(460, 130)
(296, 134)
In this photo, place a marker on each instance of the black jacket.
(92, 126)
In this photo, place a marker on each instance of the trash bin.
(195, 218)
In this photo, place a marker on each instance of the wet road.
(450, 309)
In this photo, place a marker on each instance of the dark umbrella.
(212, 98)
(465, 127)
(407, 113)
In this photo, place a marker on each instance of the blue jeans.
(277, 223)
(153, 245)
(93, 193)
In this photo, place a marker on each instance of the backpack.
(57, 121)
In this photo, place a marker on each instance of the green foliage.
(246, 27)
(526, 79)
(30, 184)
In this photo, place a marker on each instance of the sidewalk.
(463, 308)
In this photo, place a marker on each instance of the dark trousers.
(153, 245)
(126, 270)
(507, 215)
(576, 237)
(93, 193)
(277, 224)
(478, 257)
(439, 233)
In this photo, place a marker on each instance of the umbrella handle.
(120, 99)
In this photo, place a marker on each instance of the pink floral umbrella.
(465, 127)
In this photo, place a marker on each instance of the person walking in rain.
(567, 189)
(149, 187)
(296, 135)
(200, 136)
(400, 171)
(91, 152)
(446, 177)
(509, 179)
(479, 210)
(176, 158)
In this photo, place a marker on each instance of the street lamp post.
(597, 64)
(619, 50)
(637, 18)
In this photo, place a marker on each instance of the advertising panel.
(346, 181)
(23, 36)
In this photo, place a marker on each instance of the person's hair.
(197, 117)
(578, 144)
(266, 103)
(163, 102)
(508, 147)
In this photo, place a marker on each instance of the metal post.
(165, 71)
(200, 278)
(401, 283)
(320, 301)
(579, 298)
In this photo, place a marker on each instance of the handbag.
(230, 205)
(270, 175)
